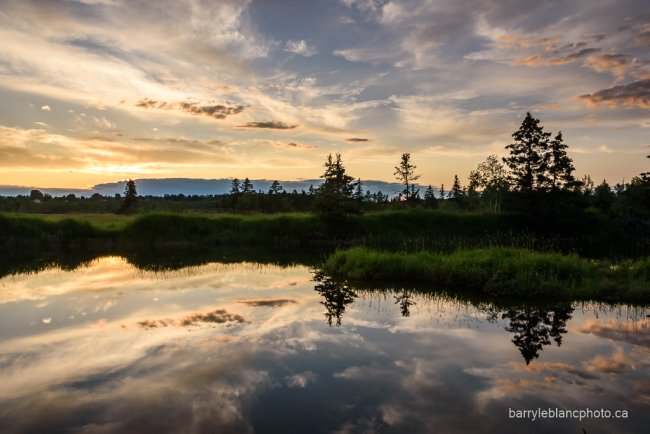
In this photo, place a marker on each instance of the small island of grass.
(499, 271)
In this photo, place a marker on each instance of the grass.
(500, 271)
(99, 221)
(407, 230)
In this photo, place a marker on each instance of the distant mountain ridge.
(193, 186)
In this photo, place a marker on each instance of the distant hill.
(191, 186)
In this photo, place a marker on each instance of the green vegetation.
(592, 235)
(404, 230)
(500, 271)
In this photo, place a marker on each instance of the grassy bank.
(501, 272)
(408, 230)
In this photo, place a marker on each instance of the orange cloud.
(635, 94)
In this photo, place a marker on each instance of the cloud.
(273, 125)
(635, 94)
(216, 111)
(300, 380)
(618, 64)
(103, 123)
(518, 41)
(538, 60)
(271, 302)
(219, 316)
(295, 146)
(46, 108)
(300, 47)
(616, 364)
(634, 332)
(357, 139)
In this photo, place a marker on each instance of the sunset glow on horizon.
(95, 91)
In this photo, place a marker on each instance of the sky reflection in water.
(256, 348)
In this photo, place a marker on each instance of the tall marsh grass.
(500, 271)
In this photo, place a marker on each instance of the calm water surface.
(246, 347)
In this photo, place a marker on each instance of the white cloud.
(300, 47)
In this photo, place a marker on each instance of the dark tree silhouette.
(560, 166)
(335, 196)
(403, 298)
(358, 190)
(405, 173)
(456, 192)
(528, 159)
(491, 180)
(442, 191)
(235, 186)
(36, 195)
(275, 188)
(130, 196)
(247, 186)
(337, 295)
(604, 197)
(430, 200)
(535, 327)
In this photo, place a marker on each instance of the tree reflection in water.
(403, 298)
(533, 326)
(337, 296)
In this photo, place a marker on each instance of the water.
(246, 347)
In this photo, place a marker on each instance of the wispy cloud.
(272, 125)
(217, 111)
(300, 47)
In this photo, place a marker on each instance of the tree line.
(536, 177)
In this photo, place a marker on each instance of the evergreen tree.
(312, 190)
(130, 196)
(247, 186)
(430, 198)
(405, 173)
(587, 185)
(335, 196)
(275, 188)
(358, 190)
(380, 197)
(235, 186)
(456, 192)
(528, 159)
(560, 166)
(604, 197)
(442, 191)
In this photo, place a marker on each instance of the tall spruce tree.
(528, 161)
(130, 196)
(335, 196)
(456, 192)
(560, 166)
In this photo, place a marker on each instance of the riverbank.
(407, 230)
(507, 272)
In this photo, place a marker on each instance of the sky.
(95, 91)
